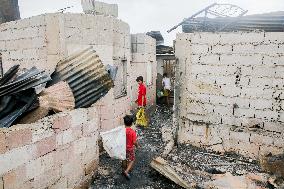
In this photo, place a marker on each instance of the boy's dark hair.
(165, 75)
(140, 78)
(128, 120)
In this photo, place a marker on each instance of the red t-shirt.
(141, 95)
(130, 138)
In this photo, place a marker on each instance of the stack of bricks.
(144, 64)
(231, 91)
(59, 151)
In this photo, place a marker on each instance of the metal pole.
(175, 27)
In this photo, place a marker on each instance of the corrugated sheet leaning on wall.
(86, 76)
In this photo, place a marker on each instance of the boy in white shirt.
(167, 87)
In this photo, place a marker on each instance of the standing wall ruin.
(44, 40)
(143, 64)
(231, 91)
(57, 152)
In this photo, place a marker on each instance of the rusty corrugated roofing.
(86, 76)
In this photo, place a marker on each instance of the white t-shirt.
(167, 83)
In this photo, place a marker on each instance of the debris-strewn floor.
(200, 167)
(143, 176)
(194, 165)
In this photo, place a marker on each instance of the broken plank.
(161, 165)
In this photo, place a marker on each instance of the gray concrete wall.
(232, 91)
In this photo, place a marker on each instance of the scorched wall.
(231, 91)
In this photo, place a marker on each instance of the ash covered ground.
(143, 176)
(193, 164)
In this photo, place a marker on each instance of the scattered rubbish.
(241, 172)
(114, 142)
(17, 93)
(104, 171)
(142, 176)
(161, 165)
(168, 139)
(276, 182)
(214, 171)
(273, 164)
(86, 76)
(227, 180)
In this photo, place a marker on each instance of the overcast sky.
(147, 15)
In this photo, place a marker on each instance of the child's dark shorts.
(130, 154)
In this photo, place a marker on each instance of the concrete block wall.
(44, 40)
(99, 8)
(143, 49)
(232, 91)
(110, 37)
(57, 152)
(30, 42)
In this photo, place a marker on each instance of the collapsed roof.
(269, 22)
(229, 18)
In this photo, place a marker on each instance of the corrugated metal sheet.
(86, 76)
(30, 79)
(17, 93)
(269, 22)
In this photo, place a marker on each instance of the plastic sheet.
(114, 142)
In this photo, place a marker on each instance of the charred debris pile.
(27, 95)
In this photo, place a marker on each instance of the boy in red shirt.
(131, 142)
(141, 100)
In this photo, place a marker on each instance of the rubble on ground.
(199, 166)
(143, 176)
